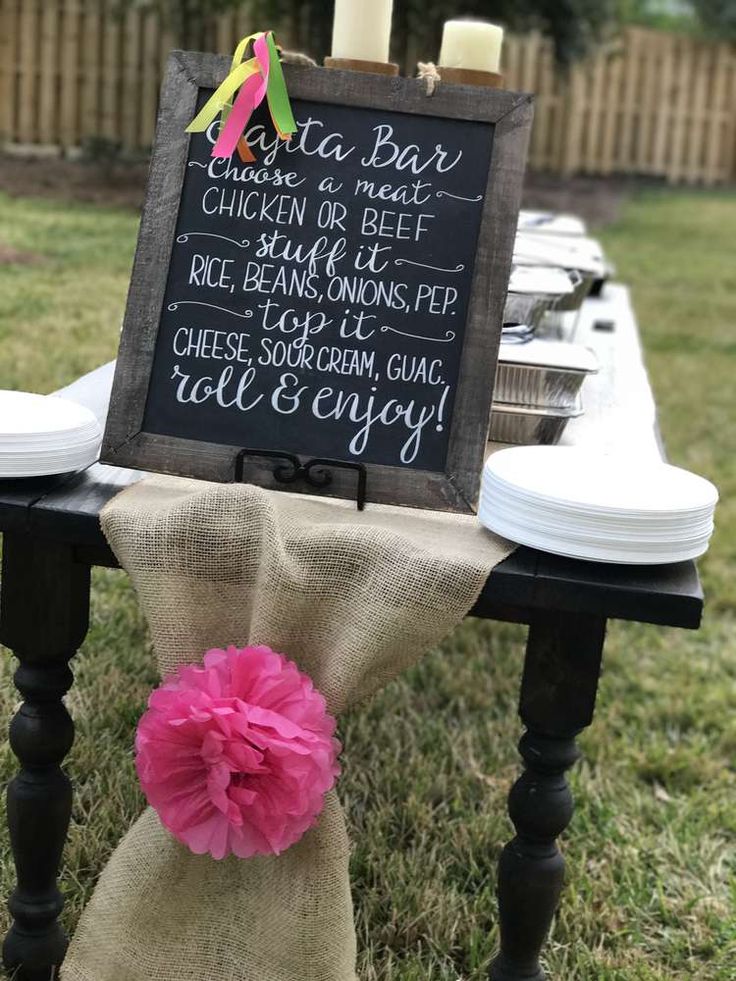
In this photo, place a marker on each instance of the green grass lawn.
(650, 851)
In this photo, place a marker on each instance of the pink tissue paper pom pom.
(236, 755)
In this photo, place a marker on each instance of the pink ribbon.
(250, 96)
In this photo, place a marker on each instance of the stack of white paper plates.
(43, 434)
(586, 505)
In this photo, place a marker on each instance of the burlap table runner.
(353, 599)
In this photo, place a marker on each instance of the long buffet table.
(52, 538)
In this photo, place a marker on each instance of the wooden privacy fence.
(649, 103)
(75, 70)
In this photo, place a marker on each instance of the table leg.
(558, 691)
(44, 607)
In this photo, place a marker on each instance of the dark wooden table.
(52, 539)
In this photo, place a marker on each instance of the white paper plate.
(582, 504)
(576, 478)
(588, 551)
(627, 536)
(62, 446)
(42, 435)
(49, 444)
(601, 518)
(45, 468)
(27, 414)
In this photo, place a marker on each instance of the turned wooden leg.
(558, 693)
(44, 608)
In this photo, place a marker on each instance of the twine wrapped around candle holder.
(433, 76)
(356, 65)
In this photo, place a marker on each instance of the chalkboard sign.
(340, 298)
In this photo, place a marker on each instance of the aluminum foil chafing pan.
(599, 283)
(581, 258)
(542, 373)
(582, 285)
(551, 223)
(529, 425)
(524, 308)
(558, 325)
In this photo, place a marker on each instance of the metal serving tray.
(537, 387)
(529, 426)
(542, 374)
(526, 308)
(583, 283)
(558, 325)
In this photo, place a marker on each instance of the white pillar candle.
(362, 29)
(471, 44)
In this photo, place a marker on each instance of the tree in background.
(574, 25)
(307, 24)
(717, 16)
(714, 18)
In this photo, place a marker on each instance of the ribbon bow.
(258, 78)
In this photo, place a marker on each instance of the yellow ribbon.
(239, 52)
(219, 101)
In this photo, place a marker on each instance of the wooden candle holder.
(356, 65)
(470, 76)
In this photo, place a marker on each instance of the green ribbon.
(277, 95)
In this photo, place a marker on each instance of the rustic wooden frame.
(127, 444)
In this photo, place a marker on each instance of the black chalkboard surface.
(340, 298)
